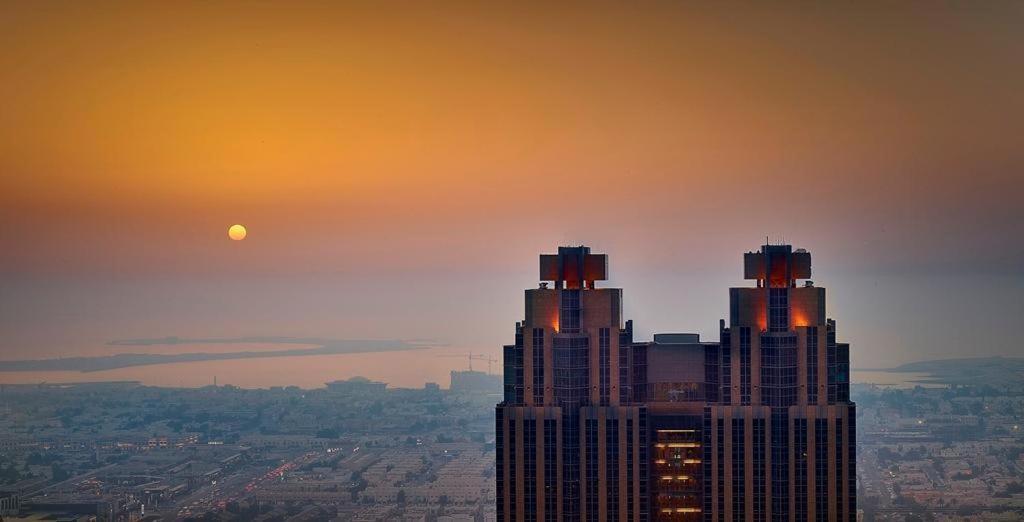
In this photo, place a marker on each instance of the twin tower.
(597, 426)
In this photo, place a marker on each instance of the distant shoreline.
(962, 371)
(128, 360)
(921, 366)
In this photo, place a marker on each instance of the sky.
(399, 166)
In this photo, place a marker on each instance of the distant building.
(595, 426)
(470, 381)
(78, 510)
(12, 495)
(357, 385)
(10, 501)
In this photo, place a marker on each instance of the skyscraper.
(595, 426)
(571, 447)
(779, 440)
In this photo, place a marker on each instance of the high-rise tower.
(779, 441)
(594, 426)
(568, 449)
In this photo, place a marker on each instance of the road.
(70, 481)
(231, 488)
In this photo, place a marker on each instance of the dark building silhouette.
(595, 426)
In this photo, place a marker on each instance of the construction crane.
(471, 357)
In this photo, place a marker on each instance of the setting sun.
(237, 232)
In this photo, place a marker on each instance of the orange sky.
(397, 139)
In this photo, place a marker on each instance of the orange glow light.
(799, 319)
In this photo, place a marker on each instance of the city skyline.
(479, 262)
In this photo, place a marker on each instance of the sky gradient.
(400, 166)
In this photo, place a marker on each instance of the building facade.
(595, 426)
(779, 440)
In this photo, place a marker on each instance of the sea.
(403, 369)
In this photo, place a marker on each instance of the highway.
(235, 487)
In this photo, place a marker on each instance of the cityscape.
(937, 450)
(348, 451)
(941, 447)
(530, 261)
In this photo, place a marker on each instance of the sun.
(236, 232)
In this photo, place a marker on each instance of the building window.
(676, 490)
(530, 469)
(499, 464)
(571, 370)
(745, 365)
(720, 436)
(839, 466)
(611, 431)
(726, 375)
(780, 464)
(812, 365)
(778, 309)
(778, 369)
(708, 437)
(550, 470)
(639, 368)
(711, 365)
(538, 365)
(851, 467)
(821, 470)
(591, 462)
(604, 347)
(800, 473)
(569, 312)
(630, 502)
(758, 459)
(624, 384)
(739, 496)
(831, 362)
(842, 372)
(512, 472)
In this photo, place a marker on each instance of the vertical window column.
(800, 474)
(812, 365)
(778, 309)
(726, 375)
(820, 470)
(538, 366)
(839, 435)
(739, 496)
(569, 311)
(759, 471)
(720, 455)
(611, 432)
(530, 469)
(499, 464)
(550, 470)
(604, 348)
(590, 434)
(745, 365)
(780, 463)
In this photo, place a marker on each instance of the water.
(894, 379)
(407, 369)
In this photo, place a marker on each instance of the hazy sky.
(400, 166)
